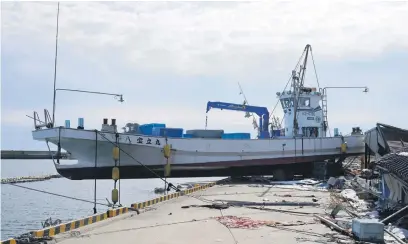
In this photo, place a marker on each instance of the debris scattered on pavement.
(248, 223)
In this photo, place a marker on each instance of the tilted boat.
(287, 150)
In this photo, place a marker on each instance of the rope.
(96, 161)
(229, 229)
(49, 149)
(165, 167)
(58, 195)
(150, 226)
(314, 67)
(117, 144)
(287, 83)
(137, 161)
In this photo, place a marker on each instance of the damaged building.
(387, 153)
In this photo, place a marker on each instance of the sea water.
(23, 210)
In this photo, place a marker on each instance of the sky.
(169, 59)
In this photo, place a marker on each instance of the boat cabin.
(309, 113)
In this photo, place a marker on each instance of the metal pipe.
(93, 92)
(396, 213)
(334, 225)
(347, 87)
(246, 203)
(55, 70)
(324, 93)
(119, 96)
(394, 236)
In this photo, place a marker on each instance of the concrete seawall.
(105, 217)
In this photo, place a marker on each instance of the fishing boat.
(145, 150)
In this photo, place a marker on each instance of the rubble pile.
(353, 209)
(359, 201)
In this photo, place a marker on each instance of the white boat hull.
(189, 157)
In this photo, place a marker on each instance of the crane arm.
(262, 112)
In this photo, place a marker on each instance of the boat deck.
(186, 220)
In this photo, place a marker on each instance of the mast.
(298, 81)
(55, 70)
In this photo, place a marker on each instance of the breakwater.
(36, 155)
(25, 179)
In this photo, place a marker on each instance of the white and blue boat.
(279, 150)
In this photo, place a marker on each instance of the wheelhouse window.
(287, 102)
(304, 102)
(310, 131)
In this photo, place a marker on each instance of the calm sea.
(23, 210)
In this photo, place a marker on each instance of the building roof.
(384, 139)
(396, 163)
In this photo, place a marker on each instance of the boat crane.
(262, 112)
(247, 114)
(276, 124)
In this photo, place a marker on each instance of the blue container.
(147, 129)
(187, 136)
(236, 136)
(81, 122)
(156, 131)
(144, 129)
(276, 133)
(154, 125)
(225, 136)
(243, 136)
(171, 132)
(336, 131)
(67, 123)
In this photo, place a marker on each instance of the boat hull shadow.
(297, 165)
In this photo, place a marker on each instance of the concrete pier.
(190, 219)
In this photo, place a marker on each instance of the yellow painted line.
(55, 230)
(72, 225)
(115, 212)
(147, 203)
(62, 228)
(9, 241)
(39, 233)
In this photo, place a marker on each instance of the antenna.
(55, 70)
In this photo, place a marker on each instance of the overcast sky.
(170, 58)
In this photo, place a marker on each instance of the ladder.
(324, 108)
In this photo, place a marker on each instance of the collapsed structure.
(389, 147)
